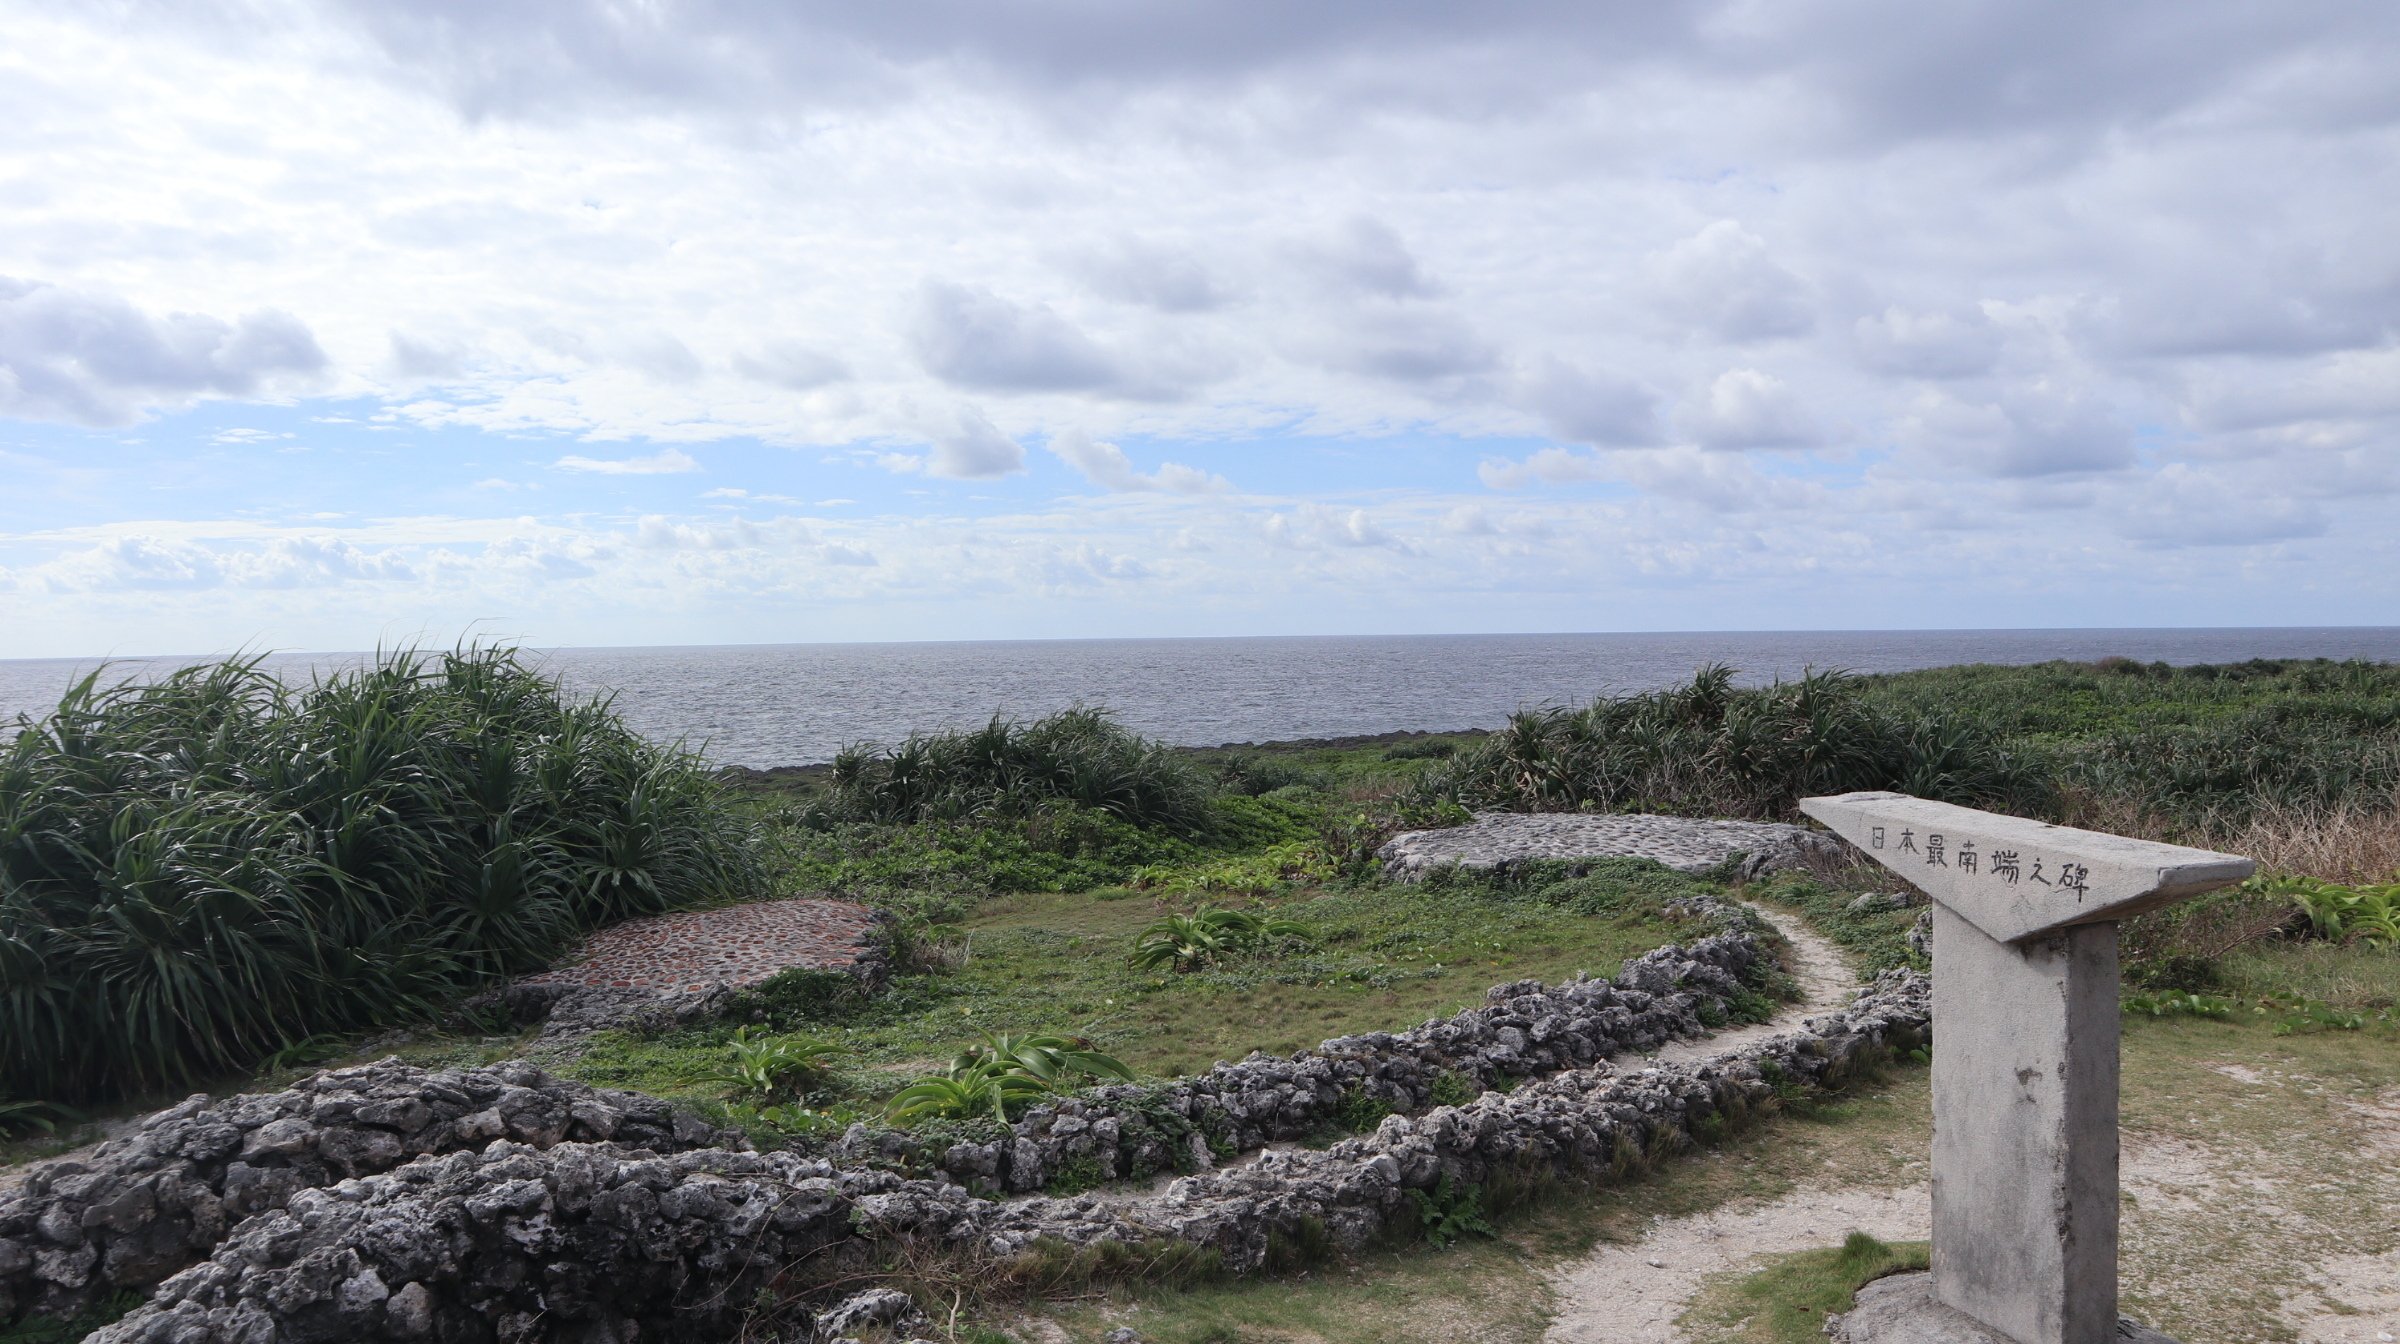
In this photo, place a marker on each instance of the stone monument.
(2025, 1023)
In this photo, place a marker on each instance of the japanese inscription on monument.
(2025, 1023)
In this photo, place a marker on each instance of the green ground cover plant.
(1786, 1300)
(199, 873)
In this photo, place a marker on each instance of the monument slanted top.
(2014, 878)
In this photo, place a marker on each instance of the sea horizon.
(766, 705)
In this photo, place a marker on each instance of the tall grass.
(1712, 749)
(1005, 769)
(199, 872)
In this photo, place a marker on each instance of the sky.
(702, 321)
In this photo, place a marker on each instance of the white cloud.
(1105, 465)
(1723, 280)
(1744, 408)
(93, 358)
(969, 448)
(665, 462)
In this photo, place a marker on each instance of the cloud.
(1133, 271)
(1958, 343)
(427, 358)
(1105, 465)
(95, 359)
(2182, 506)
(1723, 281)
(1590, 407)
(969, 448)
(973, 338)
(2026, 432)
(793, 365)
(1414, 347)
(1365, 256)
(1745, 408)
(1549, 466)
(665, 462)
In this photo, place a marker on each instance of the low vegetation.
(199, 873)
(1786, 1300)
(1711, 748)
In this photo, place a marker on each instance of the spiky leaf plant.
(203, 871)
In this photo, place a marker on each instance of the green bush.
(199, 873)
(1078, 756)
(1712, 749)
(1206, 936)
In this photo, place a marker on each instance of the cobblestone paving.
(1686, 844)
(697, 950)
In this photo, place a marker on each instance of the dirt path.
(1826, 981)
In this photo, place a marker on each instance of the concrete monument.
(2025, 1022)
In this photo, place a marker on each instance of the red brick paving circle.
(738, 945)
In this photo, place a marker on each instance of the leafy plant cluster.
(1002, 1075)
(2368, 913)
(198, 873)
(1081, 757)
(1210, 935)
(1711, 748)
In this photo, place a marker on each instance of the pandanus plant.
(1189, 942)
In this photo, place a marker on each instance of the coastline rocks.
(1685, 844)
(589, 1242)
(1524, 1030)
(145, 1204)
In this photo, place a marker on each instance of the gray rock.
(1685, 844)
(1902, 1309)
(887, 1307)
(597, 1242)
(161, 1195)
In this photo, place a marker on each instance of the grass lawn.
(1387, 958)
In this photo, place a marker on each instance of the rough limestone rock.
(1524, 1030)
(590, 1242)
(144, 1205)
(1685, 844)
(1902, 1309)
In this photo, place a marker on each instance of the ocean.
(796, 704)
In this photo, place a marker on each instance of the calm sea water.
(792, 704)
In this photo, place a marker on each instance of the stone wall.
(141, 1206)
(1525, 1030)
(592, 1243)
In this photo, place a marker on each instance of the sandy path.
(1632, 1294)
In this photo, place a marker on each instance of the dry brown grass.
(2353, 842)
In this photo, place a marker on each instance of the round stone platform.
(682, 967)
(1685, 844)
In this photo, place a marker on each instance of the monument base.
(1903, 1310)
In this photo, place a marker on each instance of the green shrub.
(1208, 935)
(1450, 1211)
(766, 1066)
(1078, 756)
(1711, 749)
(1452, 1088)
(198, 873)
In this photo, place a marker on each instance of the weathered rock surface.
(593, 1243)
(1685, 844)
(1902, 1309)
(144, 1205)
(1524, 1030)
